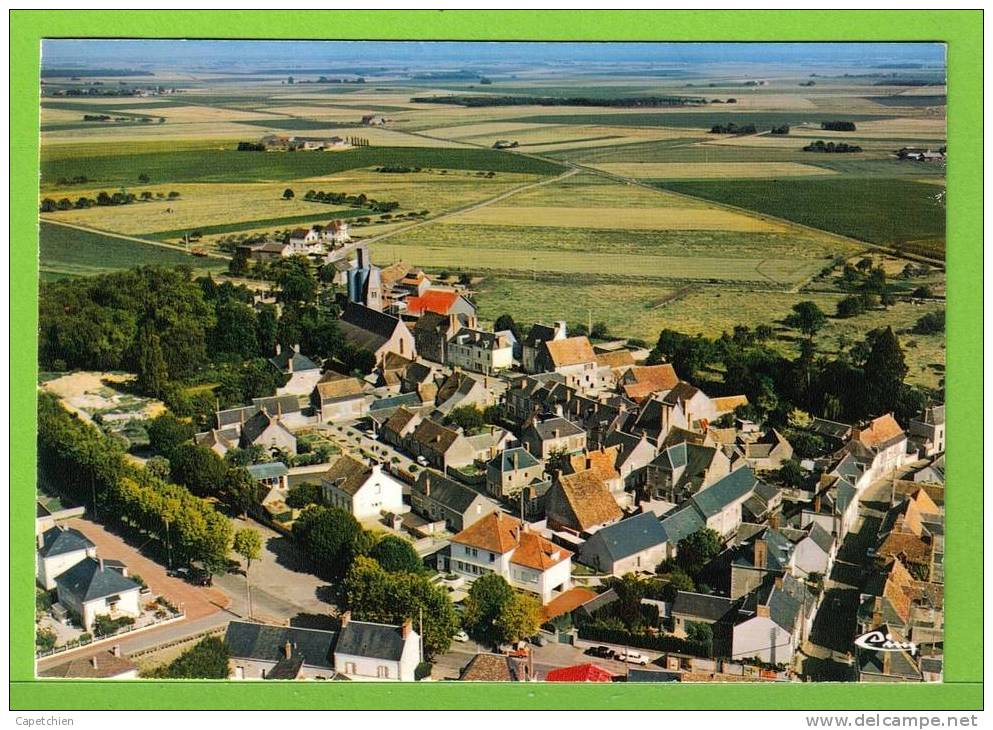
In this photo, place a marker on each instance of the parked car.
(538, 640)
(632, 657)
(462, 636)
(870, 552)
(603, 652)
(422, 461)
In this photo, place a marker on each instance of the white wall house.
(90, 589)
(378, 652)
(58, 550)
(499, 543)
(364, 491)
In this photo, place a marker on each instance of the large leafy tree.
(481, 609)
(153, 375)
(696, 550)
(199, 469)
(807, 317)
(396, 555)
(248, 545)
(166, 432)
(519, 618)
(332, 539)
(373, 594)
(208, 659)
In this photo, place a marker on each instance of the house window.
(349, 667)
(492, 557)
(383, 672)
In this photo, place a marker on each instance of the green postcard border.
(960, 29)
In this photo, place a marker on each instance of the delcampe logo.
(877, 640)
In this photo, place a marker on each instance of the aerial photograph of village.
(505, 362)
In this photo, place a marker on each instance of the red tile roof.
(567, 602)
(580, 673)
(439, 301)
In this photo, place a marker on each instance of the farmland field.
(695, 118)
(69, 252)
(886, 211)
(723, 170)
(229, 165)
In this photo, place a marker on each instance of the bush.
(106, 626)
(644, 641)
(423, 670)
(930, 324)
(45, 639)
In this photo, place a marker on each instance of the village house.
(572, 358)
(910, 532)
(287, 407)
(878, 448)
(398, 427)
(377, 332)
(512, 471)
(269, 432)
(900, 665)
(782, 613)
(364, 491)
(266, 250)
(220, 441)
(580, 503)
(440, 446)
(834, 506)
(339, 397)
(94, 587)
(603, 463)
(635, 453)
(270, 475)
(479, 351)
(553, 436)
(683, 469)
(266, 651)
(432, 333)
(499, 543)
(436, 497)
(892, 596)
(767, 452)
(720, 504)
(109, 664)
(633, 545)
(533, 344)
(496, 668)
(461, 389)
(60, 548)
(927, 433)
(302, 372)
(440, 300)
(701, 608)
(488, 443)
(379, 652)
(391, 370)
(642, 382)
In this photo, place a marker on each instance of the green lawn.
(886, 211)
(229, 165)
(70, 252)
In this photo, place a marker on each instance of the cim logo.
(876, 640)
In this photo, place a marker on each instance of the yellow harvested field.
(61, 116)
(143, 132)
(772, 102)
(200, 114)
(698, 170)
(198, 205)
(641, 219)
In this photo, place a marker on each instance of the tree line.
(103, 198)
(626, 102)
(822, 146)
(94, 470)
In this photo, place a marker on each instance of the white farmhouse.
(370, 651)
(92, 588)
(58, 550)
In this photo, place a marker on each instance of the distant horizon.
(263, 55)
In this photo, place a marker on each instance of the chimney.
(101, 565)
(406, 628)
(762, 610)
(560, 331)
(288, 650)
(778, 582)
(427, 485)
(296, 348)
(345, 618)
(93, 661)
(555, 433)
(279, 349)
(41, 540)
(760, 553)
(817, 503)
(774, 520)
(886, 661)
(516, 459)
(117, 650)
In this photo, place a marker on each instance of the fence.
(76, 644)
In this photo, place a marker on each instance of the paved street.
(282, 586)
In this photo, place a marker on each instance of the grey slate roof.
(376, 641)
(539, 333)
(821, 537)
(257, 424)
(278, 404)
(504, 461)
(267, 643)
(404, 399)
(682, 523)
(365, 328)
(445, 491)
(87, 582)
(652, 675)
(57, 541)
(702, 606)
(720, 494)
(300, 362)
(546, 429)
(631, 536)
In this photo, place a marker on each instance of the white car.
(462, 636)
(422, 461)
(633, 657)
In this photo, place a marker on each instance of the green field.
(254, 224)
(296, 123)
(229, 165)
(70, 252)
(887, 211)
(694, 119)
(911, 101)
